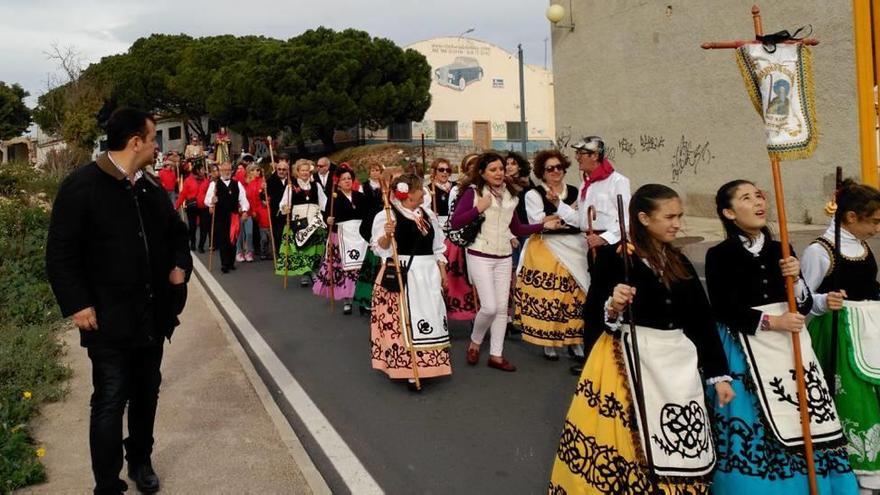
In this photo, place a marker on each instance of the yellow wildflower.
(41, 452)
(27, 395)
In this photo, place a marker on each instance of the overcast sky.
(103, 27)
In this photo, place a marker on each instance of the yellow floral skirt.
(600, 450)
(548, 302)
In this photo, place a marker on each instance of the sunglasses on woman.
(443, 170)
(554, 168)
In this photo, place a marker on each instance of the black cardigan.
(684, 305)
(111, 246)
(738, 280)
(356, 209)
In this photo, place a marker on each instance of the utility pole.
(522, 102)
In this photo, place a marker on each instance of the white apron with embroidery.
(427, 308)
(352, 247)
(864, 328)
(771, 365)
(677, 429)
(312, 213)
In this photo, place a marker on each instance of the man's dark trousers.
(122, 377)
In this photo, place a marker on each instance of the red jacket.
(259, 211)
(168, 178)
(203, 191)
(240, 175)
(191, 187)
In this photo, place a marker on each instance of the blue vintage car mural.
(461, 72)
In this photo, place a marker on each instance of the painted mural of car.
(461, 72)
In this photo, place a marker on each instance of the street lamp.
(470, 30)
(556, 13)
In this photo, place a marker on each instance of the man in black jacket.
(117, 258)
(275, 186)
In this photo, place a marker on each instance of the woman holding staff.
(337, 277)
(759, 435)
(638, 422)
(417, 235)
(372, 189)
(845, 280)
(302, 242)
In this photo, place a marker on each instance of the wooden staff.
(289, 212)
(433, 197)
(831, 372)
(405, 323)
(789, 281)
(213, 214)
(329, 248)
(591, 217)
(269, 208)
(637, 371)
(424, 165)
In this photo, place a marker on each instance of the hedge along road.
(479, 431)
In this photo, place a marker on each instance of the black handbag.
(466, 235)
(298, 224)
(389, 280)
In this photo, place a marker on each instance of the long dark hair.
(858, 198)
(475, 177)
(723, 201)
(665, 259)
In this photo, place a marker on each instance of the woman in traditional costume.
(760, 441)
(419, 239)
(652, 434)
(346, 248)
(440, 188)
(552, 277)
(372, 189)
(847, 283)
(487, 204)
(460, 296)
(303, 239)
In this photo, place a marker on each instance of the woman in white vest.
(489, 202)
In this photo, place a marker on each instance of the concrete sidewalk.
(217, 428)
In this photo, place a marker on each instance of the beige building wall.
(490, 91)
(633, 72)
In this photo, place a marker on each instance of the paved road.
(479, 431)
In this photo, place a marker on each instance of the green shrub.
(30, 351)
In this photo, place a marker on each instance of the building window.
(400, 131)
(515, 131)
(446, 130)
(174, 133)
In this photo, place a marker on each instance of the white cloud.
(103, 27)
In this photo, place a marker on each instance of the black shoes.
(305, 281)
(202, 249)
(577, 369)
(144, 477)
(346, 308)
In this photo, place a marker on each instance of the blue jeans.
(245, 237)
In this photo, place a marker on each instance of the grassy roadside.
(31, 372)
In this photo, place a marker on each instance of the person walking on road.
(118, 259)
(226, 199)
(490, 200)
(419, 241)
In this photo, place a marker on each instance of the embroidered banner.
(780, 85)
